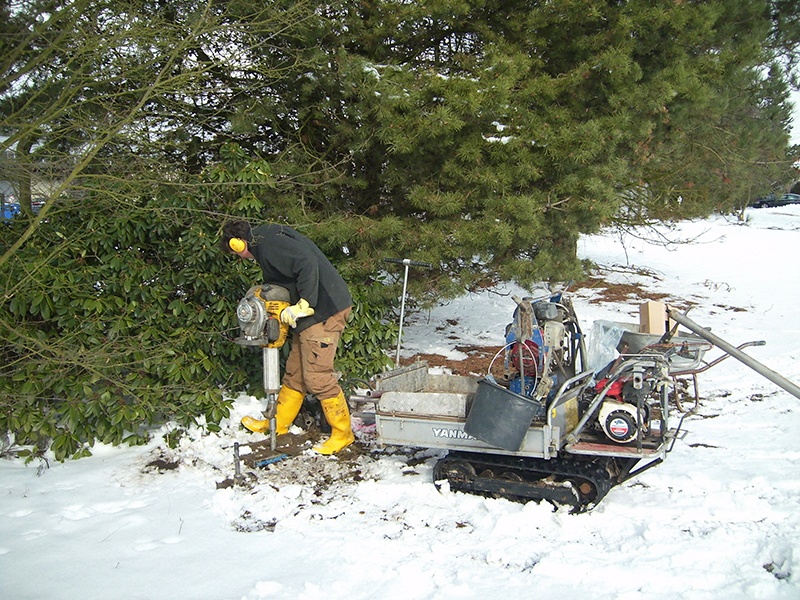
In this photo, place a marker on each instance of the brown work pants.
(309, 366)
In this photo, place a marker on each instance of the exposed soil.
(293, 462)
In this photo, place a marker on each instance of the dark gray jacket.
(289, 259)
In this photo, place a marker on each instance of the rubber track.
(558, 480)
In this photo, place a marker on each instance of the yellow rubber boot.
(338, 416)
(288, 405)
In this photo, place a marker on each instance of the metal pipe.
(704, 333)
(237, 470)
(406, 262)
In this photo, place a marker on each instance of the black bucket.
(500, 417)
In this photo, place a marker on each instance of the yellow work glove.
(290, 314)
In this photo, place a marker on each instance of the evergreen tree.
(486, 138)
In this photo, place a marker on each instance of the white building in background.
(8, 193)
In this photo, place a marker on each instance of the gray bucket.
(500, 417)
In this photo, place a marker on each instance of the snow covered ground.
(719, 519)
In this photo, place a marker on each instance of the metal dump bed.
(417, 408)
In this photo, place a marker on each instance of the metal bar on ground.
(759, 368)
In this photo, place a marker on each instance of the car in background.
(775, 200)
(9, 210)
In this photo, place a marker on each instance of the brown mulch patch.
(479, 358)
(477, 362)
(617, 292)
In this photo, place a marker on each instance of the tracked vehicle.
(540, 424)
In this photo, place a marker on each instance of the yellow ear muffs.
(237, 244)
